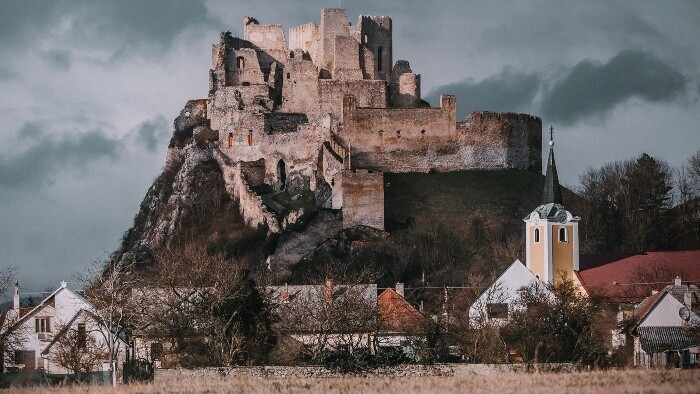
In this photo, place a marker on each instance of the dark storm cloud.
(151, 133)
(506, 91)
(595, 89)
(30, 131)
(38, 164)
(123, 27)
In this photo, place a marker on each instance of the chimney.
(285, 296)
(677, 282)
(688, 299)
(63, 284)
(15, 303)
(328, 290)
(399, 289)
(654, 292)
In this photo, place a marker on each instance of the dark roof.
(659, 339)
(599, 273)
(552, 191)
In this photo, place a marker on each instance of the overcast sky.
(88, 92)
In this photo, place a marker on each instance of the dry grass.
(633, 381)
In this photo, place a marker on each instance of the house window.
(156, 351)
(497, 310)
(25, 357)
(81, 337)
(240, 62)
(537, 235)
(43, 324)
(562, 234)
(380, 50)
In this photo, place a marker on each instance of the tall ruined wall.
(305, 37)
(346, 59)
(300, 92)
(264, 36)
(334, 22)
(363, 199)
(376, 39)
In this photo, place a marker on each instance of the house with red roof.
(400, 325)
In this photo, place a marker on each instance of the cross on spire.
(551, 133)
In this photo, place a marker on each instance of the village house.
(661, 327)
(41, 332)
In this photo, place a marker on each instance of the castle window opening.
(379, 58)
(240, 62)
(291, 55)
(250, 137)
(398, 133)
(537, 235)
(381, 133)
(562, 234)
(364, 39)
(245, 83)
(287, 75)
(282, 174)
(230, 140)
(422, 132)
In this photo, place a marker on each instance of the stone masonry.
(329, 112)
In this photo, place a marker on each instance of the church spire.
(552, 191)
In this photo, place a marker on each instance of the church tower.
(551, 231)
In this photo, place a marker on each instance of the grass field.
(632, 381)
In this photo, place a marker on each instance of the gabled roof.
(642, 310)
(614, 274)
(659, 339)
(396, 314)
(24, 317)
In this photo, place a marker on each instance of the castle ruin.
(329, 112)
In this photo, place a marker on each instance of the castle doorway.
(282, 174)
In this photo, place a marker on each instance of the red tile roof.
(396, 314)
(615, 274)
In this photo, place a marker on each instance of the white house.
(498, 301)
(660, 330)
(41, 328)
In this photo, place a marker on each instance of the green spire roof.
(552, 191)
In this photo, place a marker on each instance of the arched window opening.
(240, 62)
(250, 137)
(282, 174)
(398, 133)
(537, 235)
(230, 140)
(562, 234)
(380, 51)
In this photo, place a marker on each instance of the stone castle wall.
(363, 199)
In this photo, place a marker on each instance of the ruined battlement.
(329, 111)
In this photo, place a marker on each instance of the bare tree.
(77, 350)
(108, 287)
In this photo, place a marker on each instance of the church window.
(379, 58)
(497, 310)
(537, 235)
(240, 62)
(562, 234)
